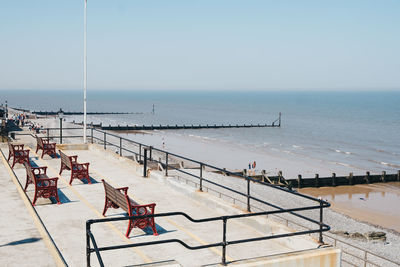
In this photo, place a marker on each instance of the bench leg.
(9, 156)
(37, 148)
(153, 226)
(27, 183)
(130, 227)
(42, 153)
(61, 168)
(13, 164)
(56, 196)
(72, 178)
(35, 197)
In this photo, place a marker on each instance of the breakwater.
(318, 181)
(179, 127)
(46, 113)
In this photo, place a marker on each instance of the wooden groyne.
(351, 179)
(318, 181)
(179, 127)
(81, 113)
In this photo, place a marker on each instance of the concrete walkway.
(82, 201)
(20, 239)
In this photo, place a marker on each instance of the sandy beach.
(376, 204)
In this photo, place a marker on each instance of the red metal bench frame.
(46, 147)
(113, 199)
(18, 154)
(78, 170)
(45, 187)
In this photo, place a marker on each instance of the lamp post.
(84, 71)
(60, 116)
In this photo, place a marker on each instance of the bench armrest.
(47, 144)
(124, 189)
(22, 152)
(39, 170)
(151, 207)
(74, 159)
(18, 147)
(47, 182)
(80, 166)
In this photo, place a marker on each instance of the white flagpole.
(84, 73)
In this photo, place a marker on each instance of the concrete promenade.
(82, 201)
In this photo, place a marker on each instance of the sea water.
(339, 131)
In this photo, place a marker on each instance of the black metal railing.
(144, 154)
(90, 239)
(121, 144)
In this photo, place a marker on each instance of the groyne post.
(280, 175)
(263, 175)
(145, 162)
(316, 180)
(166, 164)
(351, 182)
(398, 176)
(333, 179)
(383, 176)
(299, 181)
(367, 177)
(201, 178)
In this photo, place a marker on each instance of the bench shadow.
(63, 198)
(22, 241)
(147, 230)
(85, 181)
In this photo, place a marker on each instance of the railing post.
(60, 131)
(105, 146)
(87, 244)
(365, 258)
(299, 181)
(166, 164)
(140, 152)
(248, 194)
(145, 162)
(320, 222)
(48, 134)
(91, 133)
(120, 146)
(151, 153)
(224, 242)
(201, 178)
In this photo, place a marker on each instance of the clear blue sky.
(203, 44)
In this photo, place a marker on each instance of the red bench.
(118, 198)
(78, 170)
(18, 154)
(44, 186)
(46, 147)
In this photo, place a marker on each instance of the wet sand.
(377, 204)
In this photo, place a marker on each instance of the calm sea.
(358, 130)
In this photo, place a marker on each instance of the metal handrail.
(325, 204)
(89, 236)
